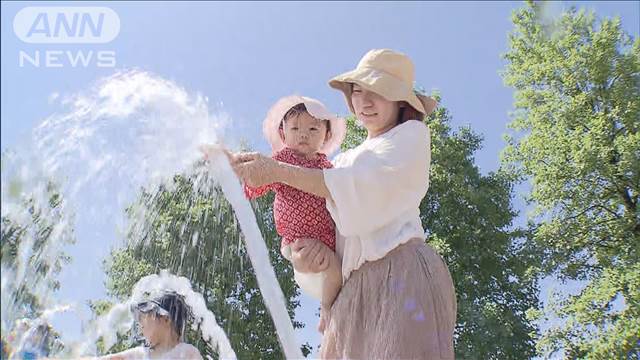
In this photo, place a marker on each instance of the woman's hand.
(209, 150)
(254, 168)
(310, 255)
(325, 317)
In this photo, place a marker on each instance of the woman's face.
(376, 113)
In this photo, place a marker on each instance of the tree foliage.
(36, 226)
(576, 138)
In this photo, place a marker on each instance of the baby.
(303, 132)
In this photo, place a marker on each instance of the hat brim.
(384, 84)
(271, 124)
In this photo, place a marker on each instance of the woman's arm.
(257, 170)
(307, 180)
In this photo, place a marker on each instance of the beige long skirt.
(402, 306)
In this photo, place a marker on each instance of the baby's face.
(304, 133)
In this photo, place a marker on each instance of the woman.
(398, 299)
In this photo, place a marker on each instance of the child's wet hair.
(170, 305)
(298, 110)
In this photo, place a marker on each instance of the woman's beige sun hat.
(388, 73)
(315, 108)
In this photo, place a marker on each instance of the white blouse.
(376, 190)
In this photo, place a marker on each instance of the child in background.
(163, 321)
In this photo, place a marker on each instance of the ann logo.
(72, 28)
(66, 25)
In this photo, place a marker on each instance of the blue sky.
(246, 55)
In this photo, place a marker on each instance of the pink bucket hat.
(315, 108)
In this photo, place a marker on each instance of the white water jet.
(258, 253)
(129, 130)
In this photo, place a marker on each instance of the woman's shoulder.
(409, 129)
(408, 134)
(343, 157)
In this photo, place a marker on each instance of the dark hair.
(178, 311)
(174, 306)
(297, 110)
(294, 111)
(408, 112)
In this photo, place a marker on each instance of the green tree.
(35, 229)
(44, 258)
(192, 231)
(576, 121)
(467, 217)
